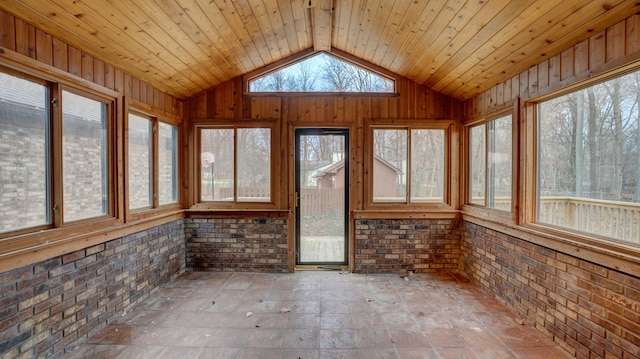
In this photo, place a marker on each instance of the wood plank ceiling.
(457, 47)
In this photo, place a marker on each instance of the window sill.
(31, 248)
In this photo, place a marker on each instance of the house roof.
(334, 168)
(459, 48)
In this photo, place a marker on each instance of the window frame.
(49, 157)
(468, 205)
(196, 127)
(302, 56)
(59, 228)
(528, 217)
(408, 125)
(156, 117)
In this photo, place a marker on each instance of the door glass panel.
(321, 187)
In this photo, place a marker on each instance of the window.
(25, 197)
(56, 160)
(85, 157)
(408, 165)
(168, 163)
(152, 162)
(322, 73)
(140, 162)
(235, 164)
(589, 159)
(490, 163)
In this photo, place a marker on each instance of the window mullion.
(155, 172)
(407, 178)
(57, 205)
(235, 165)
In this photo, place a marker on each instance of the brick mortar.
(230, 244)
(49, 307)
(400, 245)
(590, 310)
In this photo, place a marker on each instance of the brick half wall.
(49, 307)
(590, 310)
(237, 244)
(400, 245)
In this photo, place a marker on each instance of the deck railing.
(618, 220)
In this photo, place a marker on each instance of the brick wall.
(590, 310)
(398, 245)
(50, 306)
(232, 244)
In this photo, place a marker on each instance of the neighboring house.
(384, 186)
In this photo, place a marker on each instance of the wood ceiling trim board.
(438, 26)
(321, 25)
(504, 26)
(248, 18)
(464, 24)
(391, 26)
(111, 20)
(383, 21)
(583, 22)
(194, 22)
(413, 13)
(285, 10)
(393, 61)
(286, 45)
(366, 27)
(177, 24)
(467, 58)
(146, 18)
(91, 41)
(302, 23)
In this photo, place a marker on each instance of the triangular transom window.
(322, 73)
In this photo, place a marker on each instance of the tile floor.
(318, 314)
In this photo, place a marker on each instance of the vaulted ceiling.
(457, 47)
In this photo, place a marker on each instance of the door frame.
(319, 131)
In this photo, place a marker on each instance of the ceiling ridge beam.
(321, 23)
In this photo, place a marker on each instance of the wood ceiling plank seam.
(279, 32)
(510, 22)
(510, 64)
(248, 18)
(412, 34)
(193, 68)
(184, 31)
(370, 15)
(409, 20)
(391, 26)
(195, 23)
(444, 48)
(243, 47)
(470, 91)
(288, 24)
(355, 21)
(302, 24)
(321, 25)
(563, 9)
(437, 27)
(119, 55)
(341, 23)
(383, 17)
(262, 19)
(111, 21)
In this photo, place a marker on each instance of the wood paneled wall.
(24, 39)
(617, 46)
(413, 101)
